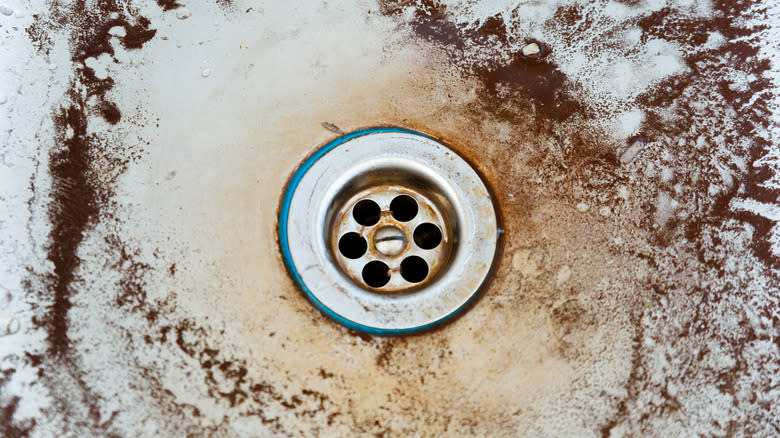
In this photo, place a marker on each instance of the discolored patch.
(631, 296)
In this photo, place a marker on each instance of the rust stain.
(559, 317)
(427, 209)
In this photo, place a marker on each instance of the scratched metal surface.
(145, 146)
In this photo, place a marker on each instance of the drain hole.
(366, 212)
(352, 245)
(427, 236)
(414, 269)
(404, 208)
(376, 274)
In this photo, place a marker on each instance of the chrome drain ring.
(371, 258)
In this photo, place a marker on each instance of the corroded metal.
(428, 212)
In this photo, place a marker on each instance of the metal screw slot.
(390, 241)
(387, 230)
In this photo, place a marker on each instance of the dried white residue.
(612, 62)
(640, 310)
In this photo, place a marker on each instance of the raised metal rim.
(491, 227)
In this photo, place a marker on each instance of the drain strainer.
(388, 231)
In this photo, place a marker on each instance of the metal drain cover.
(388, 231)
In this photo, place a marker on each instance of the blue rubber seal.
(284, 213)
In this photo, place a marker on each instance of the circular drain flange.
(388, 231)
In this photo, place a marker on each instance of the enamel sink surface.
(630, 146)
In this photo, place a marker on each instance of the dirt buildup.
(72, 211)
(74, 208)
(635, 291)
(167, 5)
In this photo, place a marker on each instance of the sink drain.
(390, 238)
(388, 231)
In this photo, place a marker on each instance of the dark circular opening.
(366, 212)
(414, 269)
(404, 208)
(352, 245)
(376, 274)
(427, 236)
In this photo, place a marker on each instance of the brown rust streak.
(510, 331)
